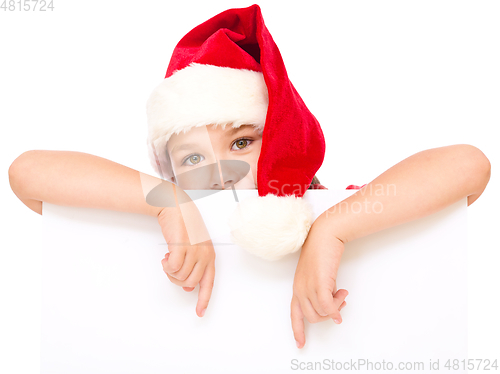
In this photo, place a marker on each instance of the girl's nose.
(222, 177)
(232, 171)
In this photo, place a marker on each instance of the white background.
(386, 79)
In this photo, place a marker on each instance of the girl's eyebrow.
(183, 146)
(235, 130)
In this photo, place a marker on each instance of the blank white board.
(107, 306)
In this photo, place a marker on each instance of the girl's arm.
(83, 180)
(420, 185)
(77, 179)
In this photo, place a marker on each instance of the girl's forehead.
(215, 134)
(230, 128)
(202, 132)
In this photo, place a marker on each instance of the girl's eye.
(194, 159)
(242, 143)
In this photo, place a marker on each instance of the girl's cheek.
(253, 173)
(246, 183)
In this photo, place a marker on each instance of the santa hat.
(228, 70)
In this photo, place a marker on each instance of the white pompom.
(271, 226)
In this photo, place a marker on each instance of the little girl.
(226, 116)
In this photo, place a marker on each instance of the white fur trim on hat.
(271, 226)
(200, 95)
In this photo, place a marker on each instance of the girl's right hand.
(315, 294)
(187, 265)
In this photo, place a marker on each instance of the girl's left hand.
(315, 294)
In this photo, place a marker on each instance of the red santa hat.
(228, 70)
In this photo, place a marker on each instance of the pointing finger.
(297, 318)
(206, 286)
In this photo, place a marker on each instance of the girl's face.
(215, 157)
